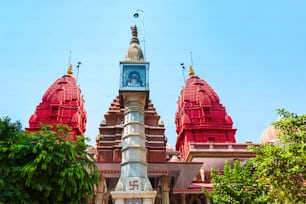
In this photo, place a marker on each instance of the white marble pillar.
(134, 181)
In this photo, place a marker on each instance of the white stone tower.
(134, 186)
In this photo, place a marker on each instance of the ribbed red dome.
(200, 116)
(198, 91)
(63, 89)
(62, 103)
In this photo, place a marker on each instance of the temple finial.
(134, 35)
(70, 72)
(134, 31)
(191, 72)
(134, 52)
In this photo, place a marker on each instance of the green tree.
(282, 166)
(237, 184)
(44, 167)
(11, 187)
(276, 174)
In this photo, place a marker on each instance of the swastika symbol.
(133, 185)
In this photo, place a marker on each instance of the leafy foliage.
(237, 184)
(282, 167)
(44, 167)
(276, 174)
(11, 188)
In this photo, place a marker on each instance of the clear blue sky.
(252, 52)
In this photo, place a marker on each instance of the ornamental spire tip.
(134, 35)
(70, 72)
(191, 72)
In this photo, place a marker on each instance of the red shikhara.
(63, 104)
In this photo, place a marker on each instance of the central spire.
(134, 53)
(134, 185)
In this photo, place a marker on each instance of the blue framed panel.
(134, 77)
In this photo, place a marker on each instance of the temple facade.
(135, 163)
(205, 140)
